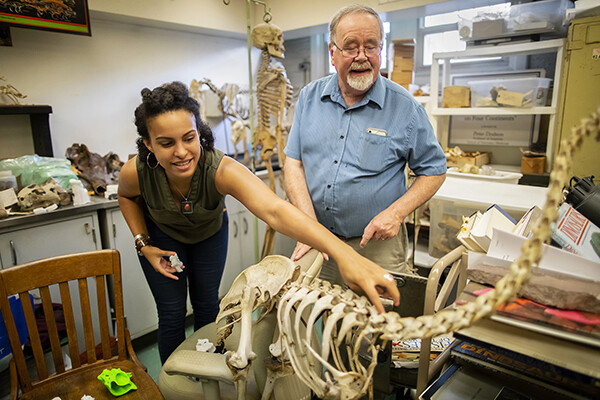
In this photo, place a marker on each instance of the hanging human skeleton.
(232, 104)
(351, 321)
(274, 98)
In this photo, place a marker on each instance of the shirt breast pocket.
(374, 151)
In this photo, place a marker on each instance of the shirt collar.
(376, 94)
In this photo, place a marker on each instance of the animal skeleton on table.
(11, 92)
(352, 323)
(231, 104)
(274, 97)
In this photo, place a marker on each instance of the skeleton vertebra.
(274, 96)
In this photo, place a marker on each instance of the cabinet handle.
(13, 251)
(235, 232)
(91, 231)
(245, 226)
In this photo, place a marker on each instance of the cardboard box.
(533, 165)
(456, 97)
(475, 158)
(403, 63)
(402, 76)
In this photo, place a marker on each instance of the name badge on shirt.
(376, 131)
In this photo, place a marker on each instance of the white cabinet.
(139, 305)
(33, 241)
(439, 116)
(244, 240)
(51, 237)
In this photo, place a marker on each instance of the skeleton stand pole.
(251, 114)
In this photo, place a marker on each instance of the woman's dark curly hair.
(168, 97)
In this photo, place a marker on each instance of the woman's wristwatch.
(141, 240)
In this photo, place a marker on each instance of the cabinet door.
(140, 309)
(49, 239)
(234, 258)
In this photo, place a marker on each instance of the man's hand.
(384, 226)
(301, 249)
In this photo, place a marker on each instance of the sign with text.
(497, 130)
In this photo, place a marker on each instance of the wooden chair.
(65, 274)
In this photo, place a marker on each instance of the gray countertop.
(97, 203)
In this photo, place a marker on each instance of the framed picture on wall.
(495, 130)
(67, 16)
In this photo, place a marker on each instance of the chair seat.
(74, 386)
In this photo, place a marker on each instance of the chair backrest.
(56, 280)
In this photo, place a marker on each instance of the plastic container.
(499, 176)
(503, 21)
(460, 197)
(517, 92)
(538, 16)
(7, 181)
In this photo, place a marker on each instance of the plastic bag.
(36, 169)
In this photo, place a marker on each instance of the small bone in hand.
(176, 262)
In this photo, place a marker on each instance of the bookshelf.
(39, 119)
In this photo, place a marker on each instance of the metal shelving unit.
(545, 46)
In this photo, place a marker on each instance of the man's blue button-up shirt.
(354, 157)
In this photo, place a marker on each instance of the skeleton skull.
(35, 196)
(268, 37)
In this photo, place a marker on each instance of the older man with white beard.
(352, 136)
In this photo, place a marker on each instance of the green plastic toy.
(117, 381)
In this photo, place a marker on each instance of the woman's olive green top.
(208, 203)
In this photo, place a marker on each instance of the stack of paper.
(476, 232)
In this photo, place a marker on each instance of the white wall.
(93, 83)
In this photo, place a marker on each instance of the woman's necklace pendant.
(187, 207)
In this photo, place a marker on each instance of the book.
(438, 344)
(527, 221)
(575, 233)
(464, 234)
(579, 326)
(405, 353)
(493, 217)
(513, 363)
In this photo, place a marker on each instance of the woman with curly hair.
(172, 197)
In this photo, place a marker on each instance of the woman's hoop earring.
(148, 161)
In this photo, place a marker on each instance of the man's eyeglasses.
(352, 52)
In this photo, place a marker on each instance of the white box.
(517, 92)
(460, 197)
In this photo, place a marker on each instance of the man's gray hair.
(352, 9)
